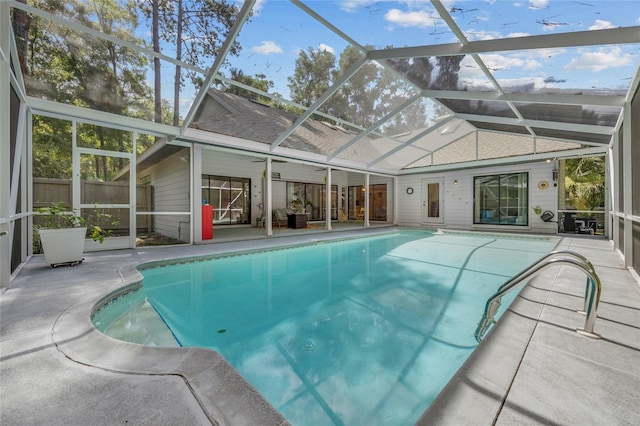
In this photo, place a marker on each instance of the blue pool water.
(362, 331)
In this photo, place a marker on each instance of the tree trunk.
(177, 82)
(156, 61)
(21, 24)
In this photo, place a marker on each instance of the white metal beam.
(625, 35)
(575, 153)
(5, 146)
(585, 128)
(86, 115)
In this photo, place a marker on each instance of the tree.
(197, 28)
(312, 75)
(73, 67)
(259, 81)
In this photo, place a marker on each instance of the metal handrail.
(592, 293)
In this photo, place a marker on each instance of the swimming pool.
(361, 331)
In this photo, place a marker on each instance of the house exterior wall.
(171, 188)
(457, 208)
(227, 164)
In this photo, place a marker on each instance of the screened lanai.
(422, 98)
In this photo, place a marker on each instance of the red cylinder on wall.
(207, 222)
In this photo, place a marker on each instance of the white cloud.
(352, 6)
(599, 60)
(473, 35)
(601, 25)
(417, 18)
(256, 7)
(538, 4)
(518, 35)
(497, 62)
(267, 48)
(326, 48)
(469, 68)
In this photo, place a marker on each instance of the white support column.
(196, 190)
(268, 195)
(328, 200)
(627, 164)
(395, 200)
(133, 191)
(615, 184)
(366, 200)
(24, 191)
(76, 179)
(5, 145)
(29, 182)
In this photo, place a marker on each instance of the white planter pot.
(63, 246)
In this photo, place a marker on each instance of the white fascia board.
(106, 119)
(577, 153)
(586, 128)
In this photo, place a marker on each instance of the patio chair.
(280, 217)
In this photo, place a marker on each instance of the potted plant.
(63, 232)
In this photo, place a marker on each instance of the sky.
(279, 30)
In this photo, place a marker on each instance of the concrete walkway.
(533, 368)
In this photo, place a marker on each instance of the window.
(230, 198)
(501, 199)
(311, 198)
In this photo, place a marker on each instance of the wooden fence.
(47, 191)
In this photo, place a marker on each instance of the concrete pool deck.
(532, 369)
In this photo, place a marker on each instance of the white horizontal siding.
(170, 181)
(458, 199)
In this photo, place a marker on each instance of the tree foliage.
(373, 91)
(197, 29)
(584, 183)
(74, 67)
(312, 75)
(258, 81)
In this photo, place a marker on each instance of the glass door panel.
(432, 201)
(378, 202)
(356, 203)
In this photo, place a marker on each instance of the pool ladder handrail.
(591, 297)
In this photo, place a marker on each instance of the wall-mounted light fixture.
(455, 182)
(554, 174)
